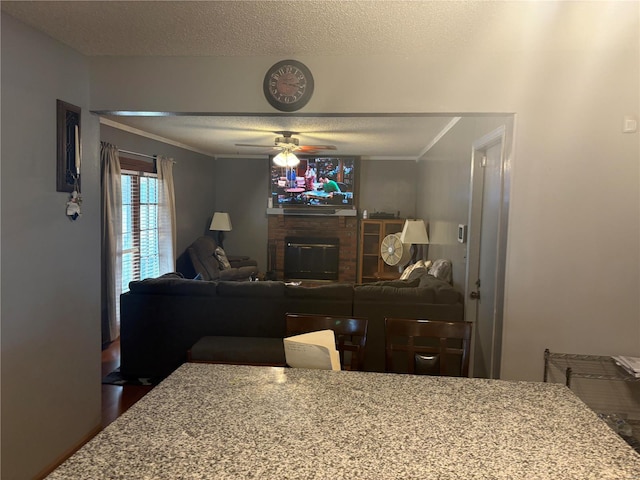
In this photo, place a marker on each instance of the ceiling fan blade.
(252, 145)
(308, 148)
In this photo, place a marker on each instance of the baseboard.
(60, 460)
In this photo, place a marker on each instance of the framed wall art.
(69, 155)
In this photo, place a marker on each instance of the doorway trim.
(502, 135)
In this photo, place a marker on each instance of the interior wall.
(50, 278)
(443, 190)
(388, 186)
(570, 74)
(242, 190)
(193, 177)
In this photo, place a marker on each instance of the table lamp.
(414, 232)
(221, 222)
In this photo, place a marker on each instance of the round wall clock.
(288, 85)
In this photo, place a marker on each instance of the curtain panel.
(112, 232)
(166, 215)
(111, 241)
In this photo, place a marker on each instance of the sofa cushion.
(428, 280)
(397, 283)
(251, 289)
(429, 290)
(417, 272)
(173, 286)
(240, 261)
(242, 273)
(172, 275)
(386, 294)
(332, 291)
(239, 350)
(444, 292)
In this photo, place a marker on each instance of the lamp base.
(418, 252)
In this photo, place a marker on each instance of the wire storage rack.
(597, 367)
(600, 367)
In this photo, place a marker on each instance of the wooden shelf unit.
(370, 263)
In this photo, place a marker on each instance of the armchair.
(208, 260)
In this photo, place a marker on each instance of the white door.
(486, 253)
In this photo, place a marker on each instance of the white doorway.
(486, 251)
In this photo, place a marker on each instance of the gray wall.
(50, 353)
(443, 190)
(194, 181)
(242, 190)
(388, 186)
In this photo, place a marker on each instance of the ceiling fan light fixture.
(286, 159)
(290, 143)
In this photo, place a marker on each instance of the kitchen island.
(238, 422)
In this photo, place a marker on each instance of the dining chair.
(350, 332)
(427, 347)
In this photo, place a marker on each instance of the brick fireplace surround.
(343, 228)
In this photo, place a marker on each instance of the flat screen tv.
(315, 183)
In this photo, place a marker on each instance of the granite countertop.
(240, 422)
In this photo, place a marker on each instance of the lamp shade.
(414, 232)
(286, 159)
(221, 222)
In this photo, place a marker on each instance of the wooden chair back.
(350, 332)
(430, 347)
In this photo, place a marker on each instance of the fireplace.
(314, 258)
(342, 230)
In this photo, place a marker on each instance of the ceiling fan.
(288, 143)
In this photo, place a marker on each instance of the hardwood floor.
(117, 399)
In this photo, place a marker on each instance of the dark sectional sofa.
(162, 318)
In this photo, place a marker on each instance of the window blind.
(140, 235)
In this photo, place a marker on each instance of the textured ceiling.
(378, 137)
(248, 28)
(274, 28)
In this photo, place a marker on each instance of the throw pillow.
(441, 269)
(222, 258)
(407, 271)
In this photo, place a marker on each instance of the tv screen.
(315, 182)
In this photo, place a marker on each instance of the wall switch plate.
(630, 124)
(462, 233)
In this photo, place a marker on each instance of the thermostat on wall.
(462, 233)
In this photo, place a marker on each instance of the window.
(140, 235)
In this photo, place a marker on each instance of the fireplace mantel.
(320, 212)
